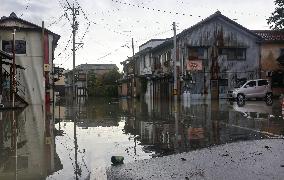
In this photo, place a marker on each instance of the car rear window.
(262, 82)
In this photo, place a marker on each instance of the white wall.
(32, 78)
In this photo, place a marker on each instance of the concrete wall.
(269, 54)
(145, 65)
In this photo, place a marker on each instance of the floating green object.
(117, 160)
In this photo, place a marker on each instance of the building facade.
(212, 57)
(34, 48)
(272, 58)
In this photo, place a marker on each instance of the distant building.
(59, 85)
(34, 53)
(212, 56)
(81, 77)
(272, 58)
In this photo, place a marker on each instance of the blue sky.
(113, 23)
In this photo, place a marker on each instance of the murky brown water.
(130, 128)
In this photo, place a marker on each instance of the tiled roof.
(270, 35)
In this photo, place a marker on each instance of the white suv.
(258, 88)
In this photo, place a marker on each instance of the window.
(262, 83)
(234, 53)
(251, 84)
(281, 52)
(277, 79)
(168, 56)
(20, 46)
(197, 53)
(144, 61)
(223, 82)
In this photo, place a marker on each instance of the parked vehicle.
(256, 110)
(258, 88)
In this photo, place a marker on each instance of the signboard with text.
(194, 65)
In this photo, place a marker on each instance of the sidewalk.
(260, 159)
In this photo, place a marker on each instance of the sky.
(106, 27)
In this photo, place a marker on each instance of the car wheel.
(240, 97)
(268, 98)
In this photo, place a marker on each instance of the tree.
(276, 20)
(104, 85)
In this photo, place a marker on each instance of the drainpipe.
(259, 61)
(1, 84)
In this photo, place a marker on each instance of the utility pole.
(175, 62)
(75, 24)
(175, 93)
(14, 122)
(132, 48)
(74, 51)
(134, 80)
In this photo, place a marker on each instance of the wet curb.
(259, 159)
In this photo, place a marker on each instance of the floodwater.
(85, 134)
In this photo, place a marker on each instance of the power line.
(26, 8)
(127, 44)
(55, 22)
(149, 8)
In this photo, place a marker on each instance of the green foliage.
(276, 20)
(104, 85)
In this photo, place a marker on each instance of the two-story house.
(34, 48)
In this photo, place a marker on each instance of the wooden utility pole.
(132, 48)
(74, 28)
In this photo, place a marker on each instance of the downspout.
(259, 61)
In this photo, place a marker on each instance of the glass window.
(223, 82)
(262, 83)
(144, 61)
(197, 53)
(277, 79)
(20, 46)
(281, 52)
(234, 53)
(251, 84)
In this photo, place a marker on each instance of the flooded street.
(85, 135)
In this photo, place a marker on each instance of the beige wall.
(269, 54)
(61, 81)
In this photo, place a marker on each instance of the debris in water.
(116, 160)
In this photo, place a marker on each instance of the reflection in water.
(87, 133)
(27, 148)
(164, 128)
